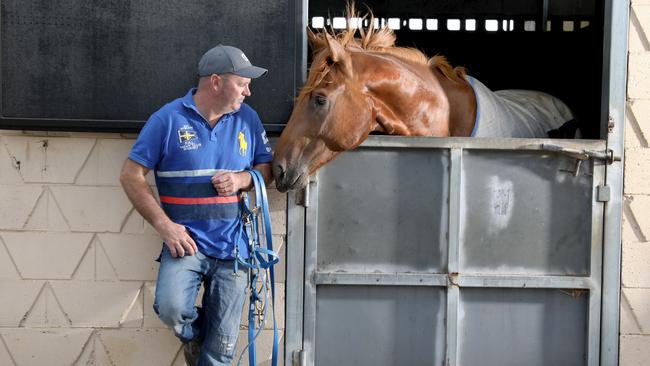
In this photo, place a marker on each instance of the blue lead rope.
(260, 260)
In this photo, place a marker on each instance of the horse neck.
(410, 99)
(462, 104)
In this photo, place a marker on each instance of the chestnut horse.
(361, 85)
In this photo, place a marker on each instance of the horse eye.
(320, 100)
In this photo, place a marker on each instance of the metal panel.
(525, 212)
(613, 103)
(372, 325)
(295, 252)
(503, 327)
(383, 218)
(353, 284)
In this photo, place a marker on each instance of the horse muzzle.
(289, 178)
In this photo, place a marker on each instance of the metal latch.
(581, 155)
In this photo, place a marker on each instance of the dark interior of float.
(555, 46)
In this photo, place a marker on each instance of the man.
(198, 146)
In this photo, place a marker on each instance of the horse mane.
(368, 39)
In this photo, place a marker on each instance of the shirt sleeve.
(263, 153)
(148, 148)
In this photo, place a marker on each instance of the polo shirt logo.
(187, 138)
(243, 144)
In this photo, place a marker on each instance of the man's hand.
(177, 239)
(229, 183)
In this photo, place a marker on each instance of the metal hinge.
(610, 124)
(299, 358)
(302, 196)
(603, 193)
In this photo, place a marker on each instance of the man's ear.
(216, 81)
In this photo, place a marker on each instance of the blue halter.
(260, 260)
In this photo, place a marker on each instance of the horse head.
(357, 85)
(332, 114)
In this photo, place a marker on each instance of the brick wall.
(77, 269)
(635, 292)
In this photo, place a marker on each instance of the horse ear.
(339, 55)
(315, 41)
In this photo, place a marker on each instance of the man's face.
(234, 89)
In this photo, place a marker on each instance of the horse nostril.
(279, 172)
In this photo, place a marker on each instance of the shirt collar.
(188, 102)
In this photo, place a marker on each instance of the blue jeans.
(215, 326)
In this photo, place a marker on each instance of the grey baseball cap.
(227, 59)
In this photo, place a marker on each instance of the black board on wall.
(106, 65)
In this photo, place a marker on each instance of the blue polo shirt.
(185, 152)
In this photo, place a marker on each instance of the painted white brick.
(638, 86)
(95, 265)
(133, 256)
(264, 347)
(43, 255)
(640, 207)
(17, 203)
(635, 350)
(16, 300)
(639, 299)
(637, 174)
(633, 134)
(630, 228)
(96, 304)
(136, 224)
(8, 171)
(94, 354)
(5, 358)
(180, 359)
(134, 316)
(95, 209)
(635, 264)
(637, 127)
(278, 211)
(642, 12)
(105, 162)
(49, 159)
(141, 346)
(628, 322)
(639, 27)
(47, 215)
(46, 312)
(8, 269)
(640, 110)
(52, 347)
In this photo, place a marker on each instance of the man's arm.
(229, 183)
(135, 186)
